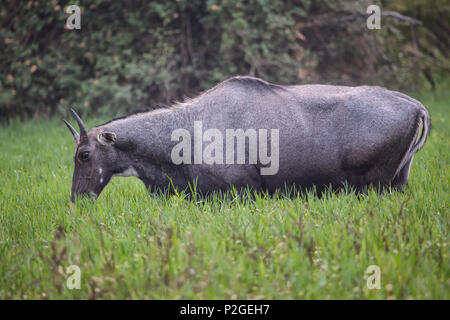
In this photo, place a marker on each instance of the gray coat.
(327, 136)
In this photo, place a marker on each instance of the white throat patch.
(129, 172)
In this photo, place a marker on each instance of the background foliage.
(133, 54)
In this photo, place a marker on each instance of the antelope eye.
(84, 156)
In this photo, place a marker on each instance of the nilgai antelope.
(246, 132)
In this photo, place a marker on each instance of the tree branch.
(325, 19)
(399, 16)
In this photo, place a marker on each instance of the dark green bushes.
(133, 54)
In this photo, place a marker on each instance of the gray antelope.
(320, 136)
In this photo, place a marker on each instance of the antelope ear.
(106, 138)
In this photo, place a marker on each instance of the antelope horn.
(76, 136)
(83, 132)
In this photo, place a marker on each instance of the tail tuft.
(417, 143)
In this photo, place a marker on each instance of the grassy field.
(130, 244)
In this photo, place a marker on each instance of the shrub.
(134, 54)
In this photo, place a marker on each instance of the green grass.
(130, 244)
